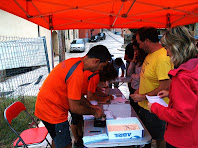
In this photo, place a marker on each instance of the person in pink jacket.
(181, 114)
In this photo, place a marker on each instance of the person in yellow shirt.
(153, 78)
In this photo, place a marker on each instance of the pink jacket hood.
(187, 68)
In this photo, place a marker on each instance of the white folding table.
(121, 110)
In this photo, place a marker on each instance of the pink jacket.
(181, 114)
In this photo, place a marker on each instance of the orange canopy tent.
(87, 14)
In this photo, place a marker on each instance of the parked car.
(95, 38)
(117, 33)
(77, 45)
(102, 36)
(196, 37)
(160, 36)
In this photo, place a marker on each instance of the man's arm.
(163, 85)
(94, 96)
(122, 68)
(85, 102)
(122, 73)
(78, 108)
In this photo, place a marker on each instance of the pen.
(94, 131)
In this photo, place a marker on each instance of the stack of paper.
(95, 138)
(91, 117)
(88, 117)
(118, 100)
(156, 99)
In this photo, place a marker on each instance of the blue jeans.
(60, 133)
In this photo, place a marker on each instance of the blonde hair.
(181, 44)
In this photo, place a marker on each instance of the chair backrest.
(13, 111)
(26, 133)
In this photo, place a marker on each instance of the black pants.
(135, 106)
(131, 90)
(169, 146)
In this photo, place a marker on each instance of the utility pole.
(196, 29)
(61, 42)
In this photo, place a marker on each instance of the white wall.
(14, 26)
(69, 37)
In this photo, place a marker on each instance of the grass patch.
(7, 137)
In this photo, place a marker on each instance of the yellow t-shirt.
(155, 67)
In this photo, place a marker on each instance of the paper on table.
(120, 99)
(94, 102)
(88, 117)
(108, 114)
(156, 99)
(95, 138)
(91, 117)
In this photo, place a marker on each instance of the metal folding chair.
(31, 136)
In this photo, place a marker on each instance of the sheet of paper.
(91, 117)
(119, 110)
(156, 99)
(94, 102)
(118, 95)
(108, 114)
(88, 117)
(120, 100)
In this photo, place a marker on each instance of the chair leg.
(48, 143)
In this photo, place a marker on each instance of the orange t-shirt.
(90, 85)
(52, 101)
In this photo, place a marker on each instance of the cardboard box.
(128, 133)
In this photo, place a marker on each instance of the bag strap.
(72, 69)
(92, 75)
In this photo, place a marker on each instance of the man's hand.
(109, 98)
(149, 106)
(98, 113)
(138, 97)
(96, 107)
(163, 93)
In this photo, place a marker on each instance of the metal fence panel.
(24, 65)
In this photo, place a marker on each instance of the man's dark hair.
(100, 52)
(135, 43)
(108, 73)
(148, 33)
(133, 37)
(118, 61)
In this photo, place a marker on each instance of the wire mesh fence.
(24, 66)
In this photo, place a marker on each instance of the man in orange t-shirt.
(90, 84)
(61, 91)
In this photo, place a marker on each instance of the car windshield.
(77, 42)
